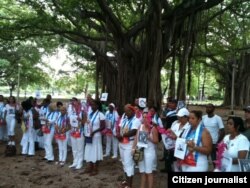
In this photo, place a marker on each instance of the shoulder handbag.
(36, 121)
(138, 154)
(88, 139)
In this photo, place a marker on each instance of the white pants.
(62, 146)
(111, 140)
(3, 133)
(127, 158)
(28, 142)
(77, 150)
(11, 123)
(48, 138)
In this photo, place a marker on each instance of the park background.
(196, 51)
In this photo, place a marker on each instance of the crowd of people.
(82, 127)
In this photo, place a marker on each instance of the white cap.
(183, 112)
(112, 104)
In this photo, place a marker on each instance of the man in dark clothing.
(169, 117)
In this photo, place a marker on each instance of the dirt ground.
(32, 172)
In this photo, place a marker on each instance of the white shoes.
(114, 157)
(11, 143)
(106, 155)
(72, 166)
(78, 167)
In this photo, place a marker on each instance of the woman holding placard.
(199, 145)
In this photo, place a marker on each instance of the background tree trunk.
(242, 80)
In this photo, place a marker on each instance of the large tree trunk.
(139, 71)
(172, 88)
(242, 80)
(185, 49)
(141, 56)
(181, 89)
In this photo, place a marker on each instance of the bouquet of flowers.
(164, 131)
(221, 147)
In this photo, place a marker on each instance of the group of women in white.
(82, 126)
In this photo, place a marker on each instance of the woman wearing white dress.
(93, 138)
(49, 130)
(147, 165)
(76, 134)
(10, 117)
(237, 144)
(28, 139)
(199, 143)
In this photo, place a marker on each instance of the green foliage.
(86, 24)
(75, 82)
(21, 58)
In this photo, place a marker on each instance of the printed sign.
(142, 102)
(142, 139)
(244, 165)
(180, 148)
(181, 104)
(104, 97)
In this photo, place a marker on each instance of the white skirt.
(93, 152)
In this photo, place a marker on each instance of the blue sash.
(196, 136)
(129, 124)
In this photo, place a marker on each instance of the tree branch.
(115, 23)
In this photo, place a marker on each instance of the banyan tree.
(131, 40)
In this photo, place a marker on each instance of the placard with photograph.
(142, 139)
(142, 102)
(181, 104)
(104, 97)
(74, 121)
(168, 142)
(244, 165)
(180, 148)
